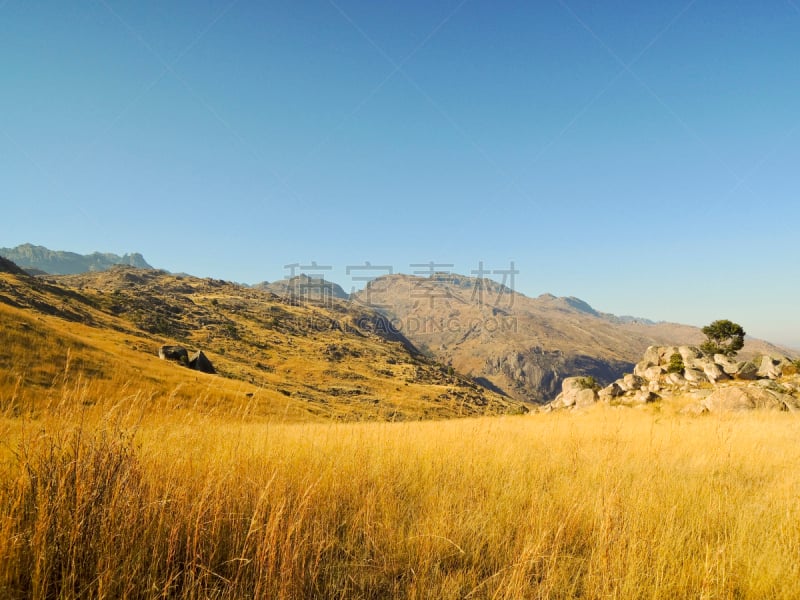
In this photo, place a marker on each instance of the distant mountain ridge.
(520, 345)
(58, 262)
(304, 287)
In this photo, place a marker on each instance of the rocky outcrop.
(718, 383)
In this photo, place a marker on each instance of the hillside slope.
(523, 346)
(304, 361)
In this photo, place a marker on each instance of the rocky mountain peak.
(59, 262)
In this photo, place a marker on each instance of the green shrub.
(675, 363)
(588, 383)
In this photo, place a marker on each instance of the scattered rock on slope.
(199, 362)
(174, 353)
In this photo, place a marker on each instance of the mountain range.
(514, 346)
(523, 347)
(41, 260)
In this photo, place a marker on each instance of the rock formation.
(717, 383)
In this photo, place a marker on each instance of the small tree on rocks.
(723, 337)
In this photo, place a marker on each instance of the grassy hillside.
(294, 362)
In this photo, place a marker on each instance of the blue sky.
(642, 156)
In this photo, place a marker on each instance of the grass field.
(123, 476)
(128, 498)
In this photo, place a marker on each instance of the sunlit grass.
(110, 500)
(122, 476)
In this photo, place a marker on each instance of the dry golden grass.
(121, 499)
(122, 476)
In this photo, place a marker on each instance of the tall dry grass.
(109, 500)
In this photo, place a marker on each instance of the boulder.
(199, 362)
(694, 375)
(742, 398)
(585, 397)
(714, 373)
(770, 368)
(653, 373)
(645, 397)
(641, 367)
(728, 365)
(665, 354)
(700, 394)
(747, 371)
(571, 389)
(689, 354)
(176, 353)
(610, 391)
(651, 355)
(632, 382)
(676, 379)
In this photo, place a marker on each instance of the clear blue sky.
(643, 156)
